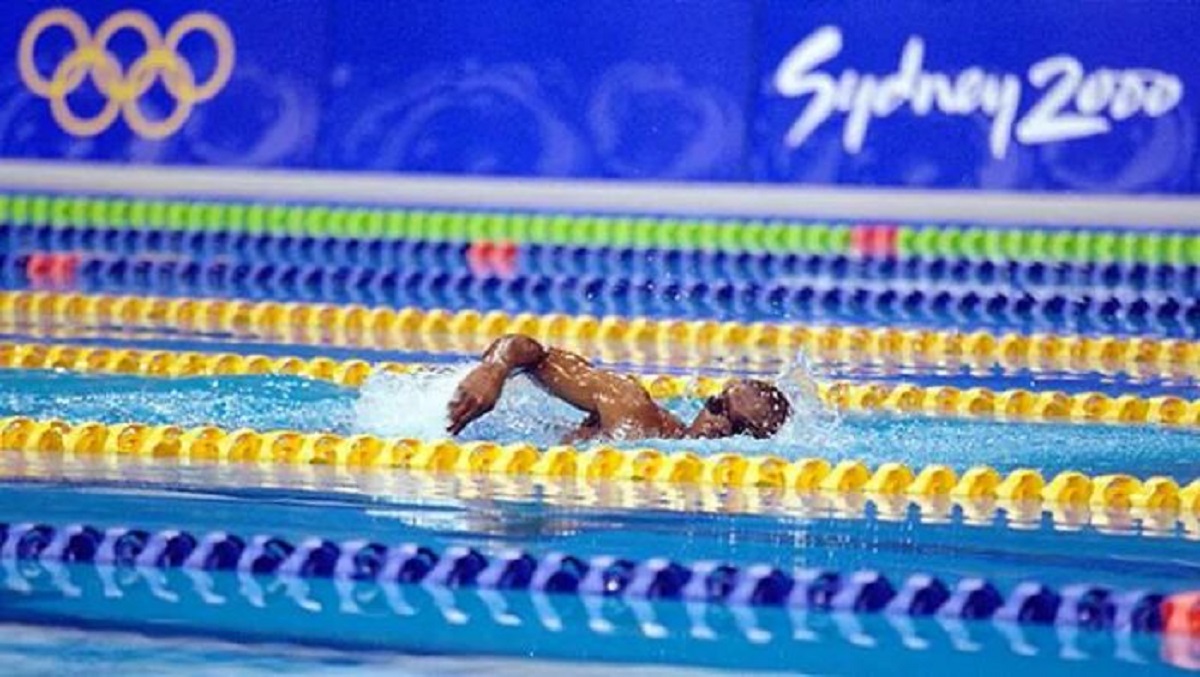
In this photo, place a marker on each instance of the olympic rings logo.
(123, 90)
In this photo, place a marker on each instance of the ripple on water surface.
(413, 405)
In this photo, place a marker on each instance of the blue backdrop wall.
(1097, 96)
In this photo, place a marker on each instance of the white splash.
(415, 404)
(407, 405)
(813, 426)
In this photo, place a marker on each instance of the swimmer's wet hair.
(777, 402)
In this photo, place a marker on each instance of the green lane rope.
(815, 237)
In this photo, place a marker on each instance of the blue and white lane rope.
(1086, 606)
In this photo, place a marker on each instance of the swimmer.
(617, 406)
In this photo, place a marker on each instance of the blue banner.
(181, 82)
(623, 89)
(1057, 96)
(1079, 96)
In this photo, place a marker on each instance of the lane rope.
(975, 241)
(899, 398)
(912, 303)
(40, 249)
(1083, 605)
(706, 629)
(361, 451)
(903, 510)
(438, 330)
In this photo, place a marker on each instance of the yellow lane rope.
(136, 440)
(1117, 518)
(902, 398)
(612, 338)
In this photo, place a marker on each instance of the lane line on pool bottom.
(129, 441)
(1087, 606)
(901, 398)
(628, 339)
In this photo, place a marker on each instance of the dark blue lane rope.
(909, 304)
(663, 263)
(371, 615)
(1083, 605)
(1120, 298)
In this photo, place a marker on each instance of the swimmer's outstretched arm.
(565, 375)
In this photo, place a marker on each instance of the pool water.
(362, 625)
(88, 615)
(46, 649)
(413, 405)
(522, 636)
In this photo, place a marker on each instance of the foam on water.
(406, 405)
(260, 402)
(415, 404)
(812, 425)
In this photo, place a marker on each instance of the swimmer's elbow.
(516, 351)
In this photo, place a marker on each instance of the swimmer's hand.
(476, 395)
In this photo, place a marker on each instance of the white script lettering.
(1072, 104)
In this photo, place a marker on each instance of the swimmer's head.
(749, 407)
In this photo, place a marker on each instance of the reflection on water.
(46, 650)
(386, 618)
(383, 488)
(1002, 542)
(51, 650)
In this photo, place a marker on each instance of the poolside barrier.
(361, 451)
(384, 327)
(1081, 605)
(900, 398)
(975, 241)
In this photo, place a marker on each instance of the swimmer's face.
(754, 408)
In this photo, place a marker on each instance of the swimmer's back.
(621, 403)
(617, 406)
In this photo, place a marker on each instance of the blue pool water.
(189, 622)
(362, 625)
(413, 405)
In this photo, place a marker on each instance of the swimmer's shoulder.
(636, 414)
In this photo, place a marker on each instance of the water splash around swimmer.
(414, 405)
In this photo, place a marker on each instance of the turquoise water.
(174, 621)
(413, 405)
(519, 635)
(75, 618)
(438, 515)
